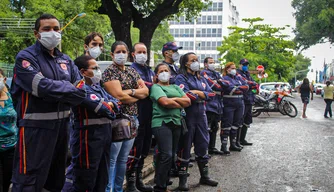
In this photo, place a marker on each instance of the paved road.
(289, 154)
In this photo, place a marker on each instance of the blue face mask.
(245, 67)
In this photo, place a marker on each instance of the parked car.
(270, 86)
(9, 82)
(105, 64)
(317, 88)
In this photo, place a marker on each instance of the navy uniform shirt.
(249, 96)
(215, 82)
(197, 108)
(44, 86)
(145, 105)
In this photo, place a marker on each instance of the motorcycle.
(274, 102)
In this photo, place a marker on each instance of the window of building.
(214, 7)
(214, 31)
(220, 19)
(209, 20)
(209, 33)
(191, 33)
(219, 43)
(220, 6)
(199, 20)
(198, 33)
(177, 33)
(203, 19)
(171, 31)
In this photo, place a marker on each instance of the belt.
(218, 92)
(100, 121)
(47, 116)
(233, 96)
(200, 101)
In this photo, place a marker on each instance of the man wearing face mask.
(248, 100)
(214, 108)
(46, 84)
(94, 44)
(142, 142)
(169, 51)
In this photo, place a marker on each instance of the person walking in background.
(198, 90)
(166, 122)
(125, 84)
(142, 144)
(46, 85)
(305, 90)
(328, 97)
(8, 134)
(214, 107)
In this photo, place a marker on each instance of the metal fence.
(7, 68)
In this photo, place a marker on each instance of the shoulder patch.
(63, 66)
(25, 64)
(204, 85)
(181, 86)
(93, 97)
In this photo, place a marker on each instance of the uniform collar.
(141, 66)
(41, 49)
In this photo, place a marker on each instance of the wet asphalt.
(288, 154)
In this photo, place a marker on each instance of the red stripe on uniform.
(80, 156)
(86, 141)
(20, 149)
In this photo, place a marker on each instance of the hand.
(111, 104)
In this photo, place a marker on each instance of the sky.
(280, 13)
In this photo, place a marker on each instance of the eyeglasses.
(95, 68)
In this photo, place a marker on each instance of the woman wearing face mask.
(8, 134)
(166, 122)
(91, 135)
(197, 89)
(233, 107)
(94, 44)
(125, 84)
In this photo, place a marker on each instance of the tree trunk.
(145, 36)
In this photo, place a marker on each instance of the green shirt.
(163, 114)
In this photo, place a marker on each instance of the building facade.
(205, 34)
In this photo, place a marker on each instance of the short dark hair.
(91, 36)
(206, 59)
(43, 17)
(134, 46)
(82, 61)
(114, 45)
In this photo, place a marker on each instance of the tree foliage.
(146, 15)
(72, 37)
(263, 45)
(314, 22)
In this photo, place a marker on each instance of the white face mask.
(120, 58)
(195, 66)
(233, 72)
(50, 39)
(164, 77)
(141, 58)
(175, 56)
(97, 76)
(95, 52)
(211, 67)
(2, 84)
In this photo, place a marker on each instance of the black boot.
(223, 148)
(131, 181)
(238, 138)
(205, 179)
(183, 176)
(139, 182)
(233, 141)
(244, 130)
